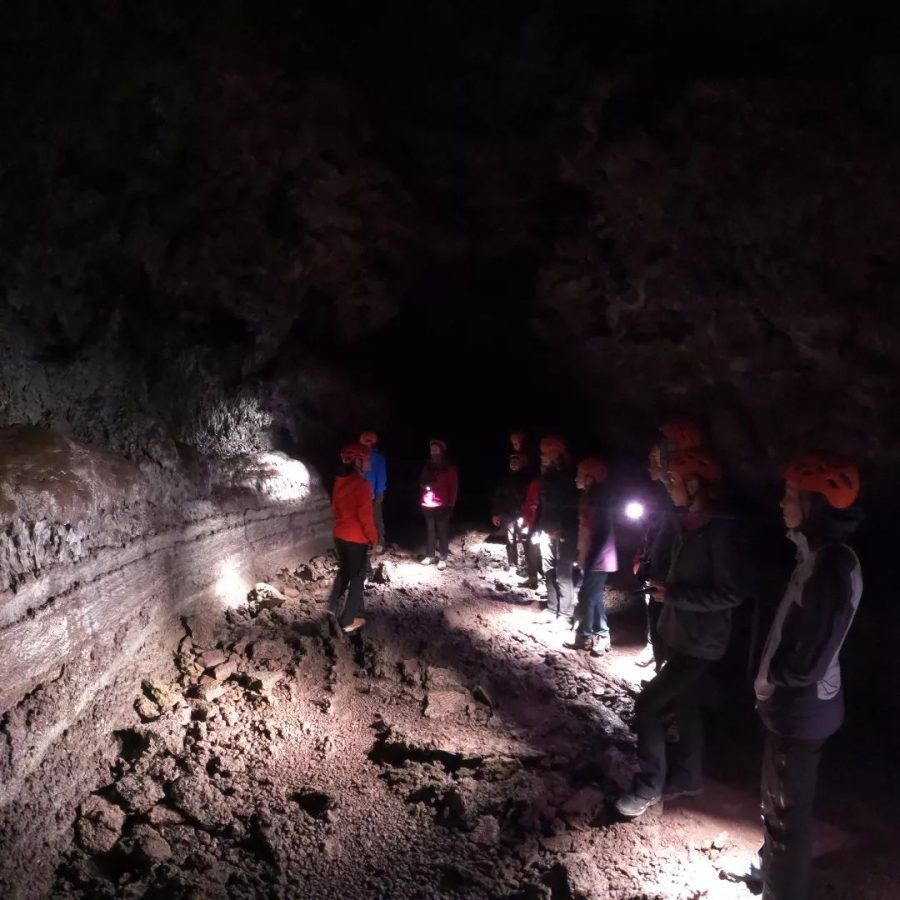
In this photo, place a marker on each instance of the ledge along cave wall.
(103, 569)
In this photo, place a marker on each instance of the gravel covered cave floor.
(452, 748)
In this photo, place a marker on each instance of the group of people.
(690, 567)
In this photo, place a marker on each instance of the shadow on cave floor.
(451, 749)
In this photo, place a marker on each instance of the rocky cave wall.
(106, 567)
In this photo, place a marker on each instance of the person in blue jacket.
(377, 477)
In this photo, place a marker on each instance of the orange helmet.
(368, 439)
(593, 468)
(437, 442)
(553, 445)
(694, 461)
(836, 479)
(353, 452)
(681, 434)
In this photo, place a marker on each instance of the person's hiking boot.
(355, 625)
(601, 645)
(427, 561)
(646, 657)
(529, 583)
(442, 564)
(633, 805)
(675, 789)
(584, 642)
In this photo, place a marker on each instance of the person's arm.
(723, 590)
(452, 486)
(813, 632)
(601, 527)
(365, 511)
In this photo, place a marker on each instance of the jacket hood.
(825, 524)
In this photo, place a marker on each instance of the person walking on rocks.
(798, 689)
(506, 507)
(700, 592)
(652, 560)
(439, 485)
(556, 525)
(596, 557)
(377, 477)
(354, 533)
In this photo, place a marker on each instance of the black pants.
(378, 511)
(558, 560)
(353, 562)
(789, 771)
(437, 524)
(653, 639)
(532, 559)
(513, 535)
(671, 694)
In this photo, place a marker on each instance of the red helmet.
(553, 445)
(353, 452)
(593, 468)
(681, 434)
(694, 461)
(438, 442)
(368, 439)
(836, 479)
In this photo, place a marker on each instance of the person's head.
(517, 462)
(692, 477)
(438, 449)
(368, 439)
(356, 456)
(815, 482)
(590, 471)
(553, 449)
(517, 439)
(677, 435)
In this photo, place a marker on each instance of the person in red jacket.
(440, 486)
(354, 533)
(529, 517)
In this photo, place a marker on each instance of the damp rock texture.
(452, 748)
(107, 566)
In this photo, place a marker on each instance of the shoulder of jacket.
(836, 558)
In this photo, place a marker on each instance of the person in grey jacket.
(698, 596)
(798, 687)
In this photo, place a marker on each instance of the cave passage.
(235, 236)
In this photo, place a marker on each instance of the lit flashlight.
(634, 510)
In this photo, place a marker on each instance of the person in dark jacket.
(596, 557)
(697, 597)
(653, 558)
(354, 533)
(556, 525)
(506, 507)
(440, 485)
(798, 687)
(377, 477)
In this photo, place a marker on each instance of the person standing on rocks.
(440, 485)
(506, 507)
(377, 477)
(596, 549)
(698, 595)
(798, 687)
(531, 537)
(354, 533)
(652, 561)
(556, 525)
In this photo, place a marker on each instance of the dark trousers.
(672, 694)
(532, 559)
(437, 525)
(653, 639)
(513, 536)
(353, 562)
(558, 560)
(378, 511)
(789, 771)
(591, 610)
